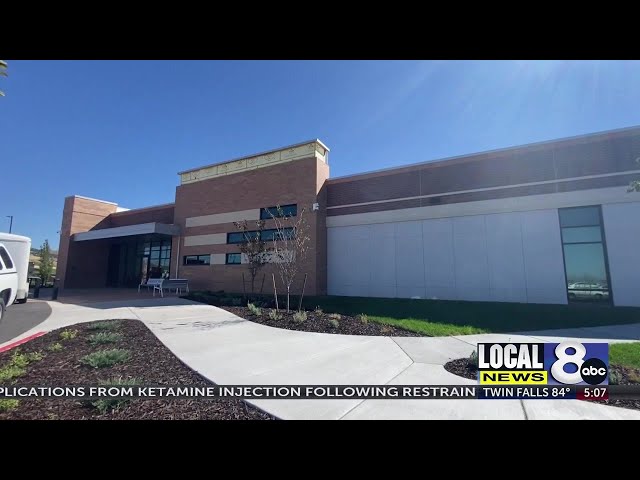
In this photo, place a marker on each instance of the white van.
(8, 280)
(20, 248)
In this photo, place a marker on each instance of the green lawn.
(625, 354)
(443, 317)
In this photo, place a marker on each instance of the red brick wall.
(81, 215)
(300, 181)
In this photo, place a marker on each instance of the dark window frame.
(251, 232)
(227, 262)
(265, 213)
(208, 262)
(6, 258)
(603, 242)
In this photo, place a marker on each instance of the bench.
(168, 284)
(151, 282)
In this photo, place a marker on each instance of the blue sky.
(121, 130)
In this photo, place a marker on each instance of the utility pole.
(10, 222)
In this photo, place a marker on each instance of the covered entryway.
(121, 256)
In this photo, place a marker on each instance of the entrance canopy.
(140, 229)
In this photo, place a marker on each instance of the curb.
(21, 341)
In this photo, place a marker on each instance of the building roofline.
(136, 210)
(439, 161)
(256, 155)
(94, 199)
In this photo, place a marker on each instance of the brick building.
(550, 222)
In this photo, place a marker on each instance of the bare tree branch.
(254, 247)
(290, 246)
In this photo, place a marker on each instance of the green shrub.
(18, 364)
(300, 317)
(614, 377)
(19, 360)
(9, 372)
(274, 314)
(254, 310)
(8, 404)
(103, 405)
(104, 325)
(55, 347)
(473, 359)
(104, 337)
(68, 334)
(335, 316)
(35, 356)
(318, 310)
(105, 358)
(334, 322)
(362, 318)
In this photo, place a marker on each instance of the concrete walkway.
(229, 350)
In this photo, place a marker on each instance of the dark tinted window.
(581, 234)
(6, 258)
(584, 255)
(579, 217)
(241, 237)
(287, 211)
(233, 258)
(197, 259)
(267, 235)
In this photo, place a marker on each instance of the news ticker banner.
(329, 392)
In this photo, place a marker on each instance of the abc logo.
(592, 371)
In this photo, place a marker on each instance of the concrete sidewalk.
(229, 350)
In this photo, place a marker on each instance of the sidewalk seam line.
(386, 383)
(526, 417)
(403, 350)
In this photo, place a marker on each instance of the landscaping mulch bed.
(321, 322)
(150, 362)
(627, 376)
(462, 368)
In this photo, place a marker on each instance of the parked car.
(588, 291)
(8, 280)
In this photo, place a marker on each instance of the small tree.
(290, 245)
(254, 247)
(46, 262)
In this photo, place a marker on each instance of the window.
(241, 237)
(197, 260)
(233, 259)
(6, 258)
(267, 235)
(584, 249)
(287, 211)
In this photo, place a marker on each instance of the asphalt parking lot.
(20, 318)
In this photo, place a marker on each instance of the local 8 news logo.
(566, 363)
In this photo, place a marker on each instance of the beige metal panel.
(227, 217)
(218, 259)
(211, 239)
(310, 149)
